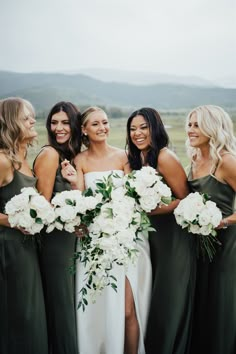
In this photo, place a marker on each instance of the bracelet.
(226, 223)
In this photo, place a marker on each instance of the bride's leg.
(131, 322)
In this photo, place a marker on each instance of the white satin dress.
(101, 327)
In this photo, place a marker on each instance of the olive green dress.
(23, 328)
(214, 329)
(56, 255)
(174, 270)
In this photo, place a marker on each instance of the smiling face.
(196, 138)
(140, 133)
(28, 122)
(60, 126)
(96, 126)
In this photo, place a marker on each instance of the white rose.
(204, 217)
(195, 229)
(67, 213)
(148, 203)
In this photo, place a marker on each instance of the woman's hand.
(81, 230)
(69, 173)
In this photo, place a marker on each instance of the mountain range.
(45, 89)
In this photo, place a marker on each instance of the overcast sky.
(182, 37)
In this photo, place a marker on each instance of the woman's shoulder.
(4, 161)
(166, 155)
(228, 160)
(49, 152)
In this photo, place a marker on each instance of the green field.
(174, 122)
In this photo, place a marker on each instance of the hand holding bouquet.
(200, 216)
(70, 207)
(147, 188)
(29, 210)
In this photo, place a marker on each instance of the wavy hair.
(11, 126)
(85, 117)
(217, 125)
(159, 138)
(71, 148)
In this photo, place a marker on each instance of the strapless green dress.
(174, 269)
(214, 330)
(55, 257)
(23, 328)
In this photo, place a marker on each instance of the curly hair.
(11, 126)
(217, 125)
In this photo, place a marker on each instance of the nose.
(59, 126)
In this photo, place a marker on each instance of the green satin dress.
(56, 255)
(214, 330)
(23, 327)
(174, 269)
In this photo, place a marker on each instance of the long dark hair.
(159, 138)
(72, 147)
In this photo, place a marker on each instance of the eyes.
(55, 122)
(142, 127)
(192, 125)
(105, 122)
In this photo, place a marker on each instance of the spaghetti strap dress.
(23, 328)
(174, 271)
(56, 253)
(215, 304)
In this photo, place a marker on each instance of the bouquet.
(118, 224)
(147, 188)
(200, 216)
(29, 210)
(70, 207)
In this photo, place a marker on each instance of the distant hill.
(143, 77)
(45, 89)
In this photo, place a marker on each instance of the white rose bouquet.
(200, 216)
(147, 188)
(113, 233)
(71, 209)
(29, 210)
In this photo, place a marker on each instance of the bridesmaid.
(64, 136)
(172, 249)
(212, 148)
(23, 326)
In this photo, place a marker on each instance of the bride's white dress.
(101, 327)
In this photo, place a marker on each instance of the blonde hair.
(217, 125)
(11, 126)
(84, 119)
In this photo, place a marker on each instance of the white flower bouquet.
(200, 216)
(147, 188)
(113, 233)
(70, 207)
(29, 210)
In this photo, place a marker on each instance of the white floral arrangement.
(118, 224)
(69, 207)
(200, 216)
(147, 188)
(29, 210)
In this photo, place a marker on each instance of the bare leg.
(131, 323)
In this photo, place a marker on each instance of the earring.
(85, 134)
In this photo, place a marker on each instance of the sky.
(184, 37)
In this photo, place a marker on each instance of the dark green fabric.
(55, 256)
(174, 267)
(215, 306)
(23, 327)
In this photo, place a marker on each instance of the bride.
(116, 322)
